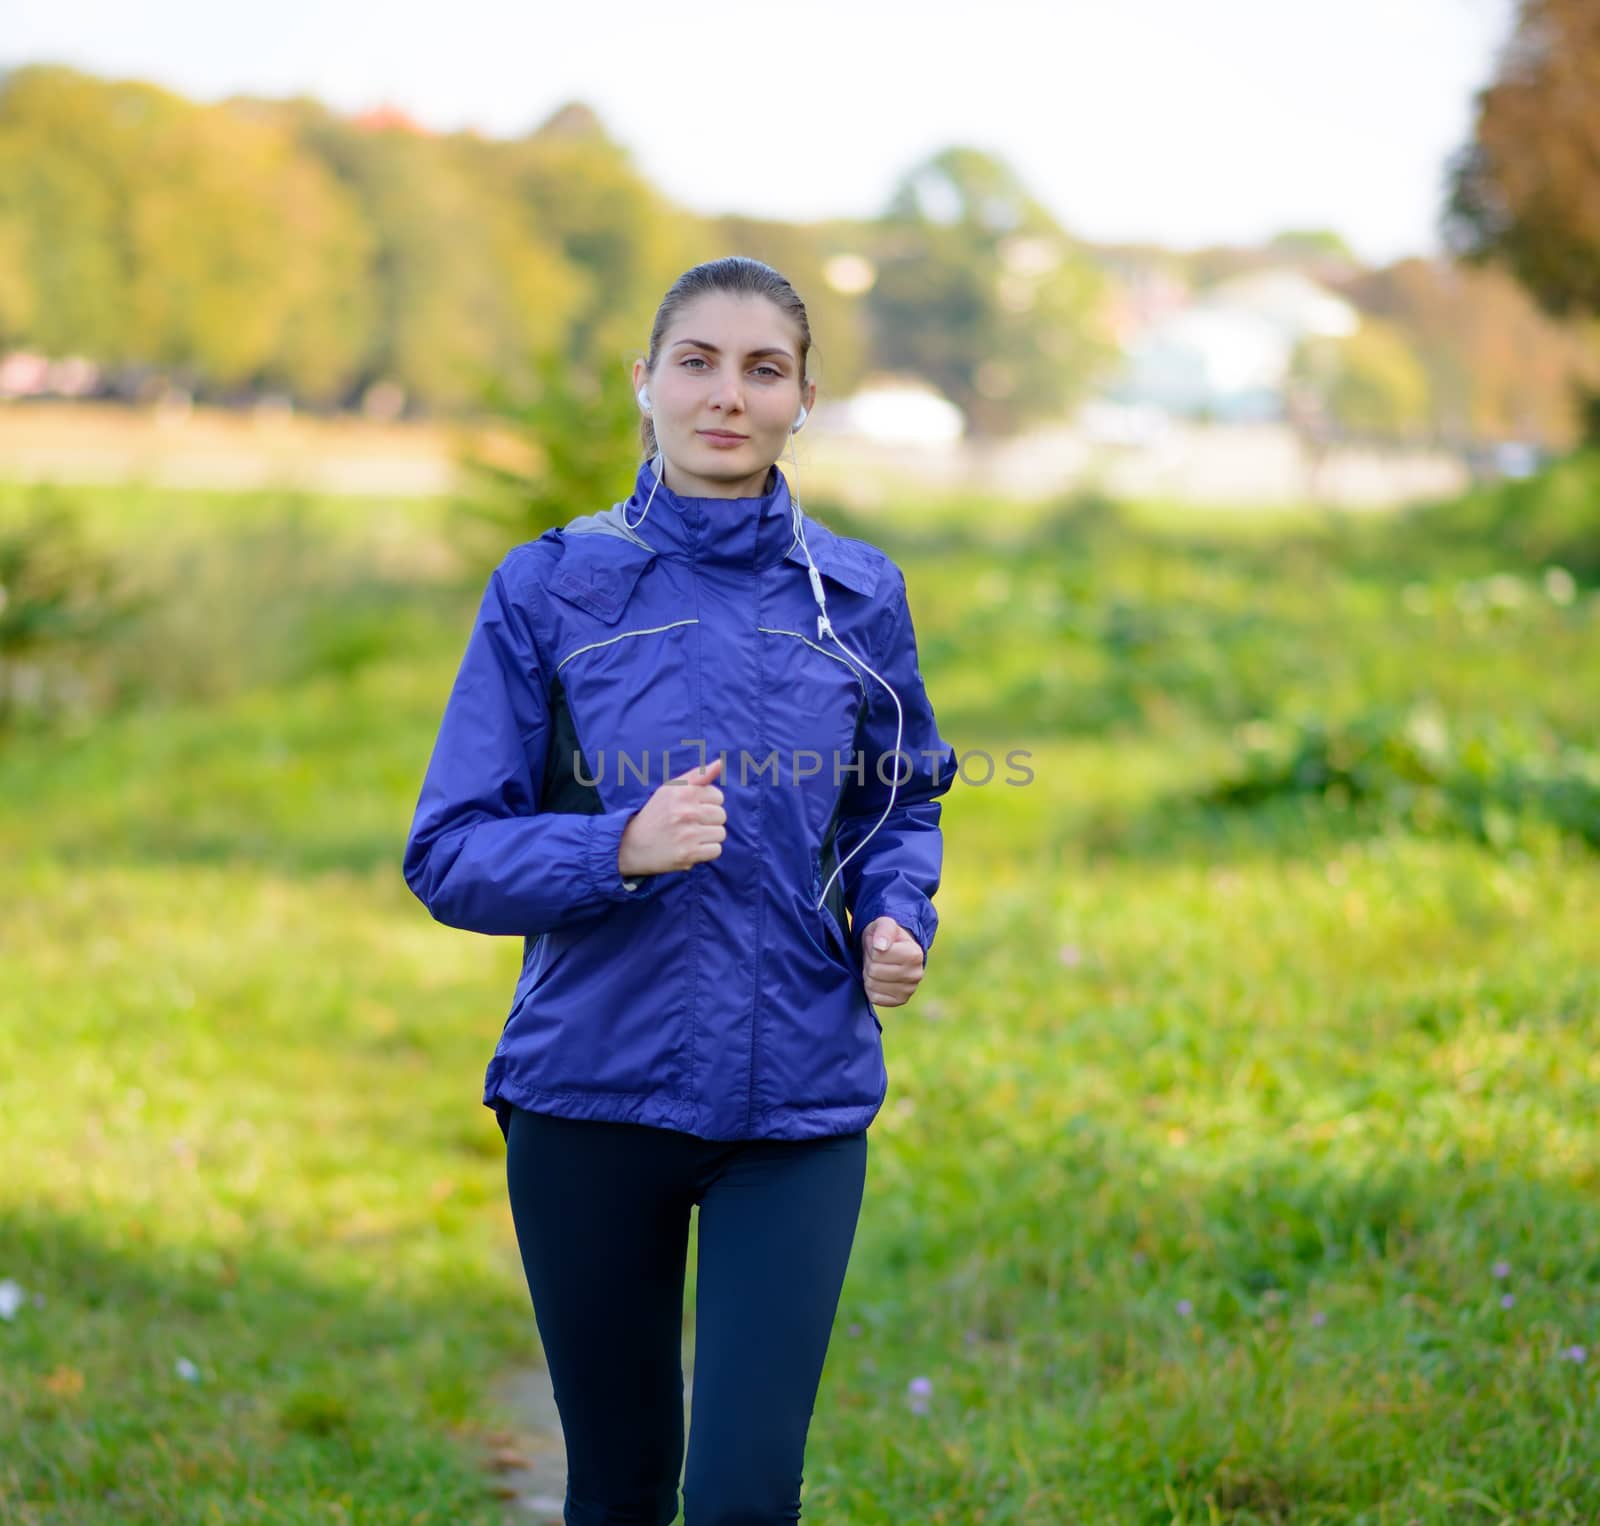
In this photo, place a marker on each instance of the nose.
(728, 394)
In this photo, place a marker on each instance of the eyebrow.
(701, 344)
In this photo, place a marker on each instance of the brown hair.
(735, 273)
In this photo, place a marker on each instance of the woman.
(688, 739)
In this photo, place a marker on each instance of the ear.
(808, 395)
(641, 374)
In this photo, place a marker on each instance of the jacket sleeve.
(481, 855)
(897, 873)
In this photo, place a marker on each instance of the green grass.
(1206, 1135)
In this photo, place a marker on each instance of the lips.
(722, 434)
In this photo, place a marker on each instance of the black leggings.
(602, 1220)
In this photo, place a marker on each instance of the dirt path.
(530, 1460)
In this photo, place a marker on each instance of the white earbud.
(799, 418)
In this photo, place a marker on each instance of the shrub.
(60, 607)
(1550, 518)
(1492, 780)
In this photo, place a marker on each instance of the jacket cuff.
(919, 921)
(603, 844)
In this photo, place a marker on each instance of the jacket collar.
(749, 533)
(745, 533)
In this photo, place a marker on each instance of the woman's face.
(725, 389)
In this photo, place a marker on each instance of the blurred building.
(894, 410)
(1144, 289)
(1226, 355)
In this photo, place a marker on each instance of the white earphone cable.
(634, 525)
(825, 628)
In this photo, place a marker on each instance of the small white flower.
(11, 1299)
(187, 1370)
(1505, 589)
(1559, 586)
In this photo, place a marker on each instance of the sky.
(1141, 121)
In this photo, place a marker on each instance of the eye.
(692, 359)
(770, 370)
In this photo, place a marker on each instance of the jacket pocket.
(838, 947)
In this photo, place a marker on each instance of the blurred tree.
(1213, 264)
(66, 177)
(1368, 385)
(466, 284)
(18, 309)
(328, 305)
(62, 282)
(1319, 253)
(981, 293)
(1313, 243)
(623, 242)
(563, 428)
(246, 257)
(564, 443)
(1498, 367)
(150, 232)
(1526, 189)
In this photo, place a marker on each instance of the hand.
(679, 826)
(893, 971)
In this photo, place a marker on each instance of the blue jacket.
(720, 1000)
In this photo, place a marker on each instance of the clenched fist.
(892, 962)
(679, 826)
